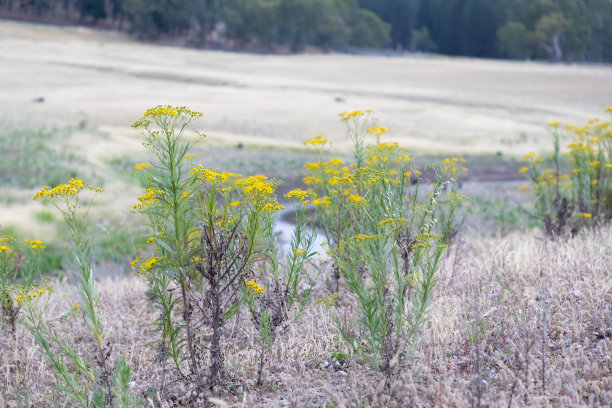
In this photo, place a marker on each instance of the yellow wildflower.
(392, 221)
(73, 187)
(377, 130)
(297, 193)
(311, 180)
(141, 166)
(523, 170)
(316, 141)
(272, 207)
(335, 161)
(355, 198)
(585, 215)
(554, 124)
(148, 264)
(523, 187)
(254, 288)
(36, 244)
(323, 201)
(354, 114)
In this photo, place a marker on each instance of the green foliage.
(212, 232)
(553, 29)
(511, 39)
(84, 383)
(386, 235)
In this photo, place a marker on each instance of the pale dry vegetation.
(522, 321)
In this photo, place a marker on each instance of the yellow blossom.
(585, 215)
(355, 198)
(311, 180)
(141, 166)
(316, 141)
(72, 188)
(36, 244)
(298, 193)
(323, 201)
(272, 207)
(523, 170)
(254, 288)
(377, 130)
(148, 264)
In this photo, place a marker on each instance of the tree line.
(570, 30)
(557, 30)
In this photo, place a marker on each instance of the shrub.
(386, 235)
(573, 190)
(212, 235)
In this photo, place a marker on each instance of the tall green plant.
(84, 383)
(390, 236)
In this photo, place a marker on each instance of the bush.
(573, 190)
(386, 235)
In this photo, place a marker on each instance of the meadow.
(468, 264)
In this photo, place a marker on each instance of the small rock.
(340, 373)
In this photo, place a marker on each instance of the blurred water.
(284, 231)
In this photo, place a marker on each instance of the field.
(517, 319)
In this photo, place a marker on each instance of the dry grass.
(516, 322)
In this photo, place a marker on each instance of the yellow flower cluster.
(363, 237)
(36, 244)
(141, 166)
(299, 194)
(210, 175)
(316, 141)
(330, 301)
(171, 111)
(148, 264)
(272, 207)
(393, 221)
(323, 201)
(356, 198)
(148, 198)
(72, 188)
(32, 292)
(377, 130)
(254, 288)
(354, 114)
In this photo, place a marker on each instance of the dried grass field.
(517, 319)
